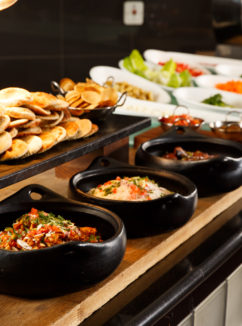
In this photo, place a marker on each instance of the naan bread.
(18, 149)
(4, 122)
(29, 131)
(42, 99)
(34, 144)
(51, 137)
(14, 96)
(20, 113)
(85, 126)
(5, 141)
(15, 123)
(72, 129)
(94, 129)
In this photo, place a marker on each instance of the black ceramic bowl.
(141, 218)
(219, 174)
(66, 267)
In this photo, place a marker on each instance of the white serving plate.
(151, 65)
(154, 56)
(142, 108)
(192, 97)
(100, 74)
(209, 81)
(234, 70)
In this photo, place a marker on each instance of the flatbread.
(67, 115)
(67, 84)
(18, 149)
(57, 121)
(29, 131)
(85, 126)
(20, 113)
(34, 144)
(38, 110)
(72, 129)
(52, 116)
(77, 112)
(51, 137)
(94, 129)
(17, 123)
(5, 141)
(42, 99)
(57, 105)
(13, 132)
(4, 122)
(14, 96)
(33, 123)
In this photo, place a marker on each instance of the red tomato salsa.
(38, 229)
(195, 72)
(181, 120)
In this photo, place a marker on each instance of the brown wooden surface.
(140, 256)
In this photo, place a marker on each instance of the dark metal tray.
(114, 128)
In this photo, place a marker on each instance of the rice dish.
(130, 189)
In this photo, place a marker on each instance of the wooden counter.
(140, 256)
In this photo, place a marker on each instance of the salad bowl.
(65, 267)
(207, 62)
(165, 76)
(208, 103)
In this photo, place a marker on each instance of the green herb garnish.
(216, 100)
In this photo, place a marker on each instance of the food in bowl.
(230, 86)
(134, 188)
(180, 66)
(39, 229)
(87, 95)
(217, 100)
(165, 75)
(131, 90)
(181, 154)
(184, 120)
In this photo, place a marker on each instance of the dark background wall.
(49, 39)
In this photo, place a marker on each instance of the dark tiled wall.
(46, 40)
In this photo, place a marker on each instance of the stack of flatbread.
(33, 122)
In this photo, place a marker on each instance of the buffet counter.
(144, 261)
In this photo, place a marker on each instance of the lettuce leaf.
(185, 77)
(128, 64)
(169, 66)
(137, 61)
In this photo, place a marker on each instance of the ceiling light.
(6, 3)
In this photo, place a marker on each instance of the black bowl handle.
(105, 162)
(25, 195)
(181, 132)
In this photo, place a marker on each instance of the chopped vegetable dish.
(195, 72)
(231, 86)
(130, 189)
(38, 229)
(166, 75)
(181, 120)
(180, 154)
